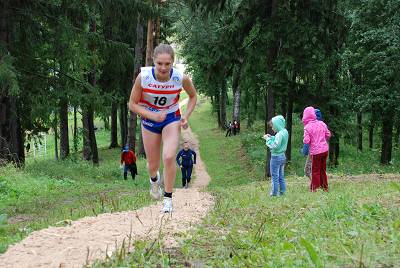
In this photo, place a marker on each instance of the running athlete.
(155, 97)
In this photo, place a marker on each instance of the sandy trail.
(89, 238)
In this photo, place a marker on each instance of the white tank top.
(157, 96)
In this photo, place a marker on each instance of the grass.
(356, 224)
(48, 192)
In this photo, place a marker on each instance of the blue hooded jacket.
(186, 156)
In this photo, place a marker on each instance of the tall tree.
(137, 65)
(11, 136)
(91, 152)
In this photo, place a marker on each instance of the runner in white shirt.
(155, 97)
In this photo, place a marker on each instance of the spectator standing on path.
(188, 157)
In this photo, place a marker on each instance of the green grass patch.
(356, 224)
(47, 192)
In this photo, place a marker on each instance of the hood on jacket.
(318, 114)
(278, 122)
(309, 115)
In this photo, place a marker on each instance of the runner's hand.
(160, 117)
(184, 123)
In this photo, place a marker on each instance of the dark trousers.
(319, 179)
(132, 168)
(228, 132)
(186, 174)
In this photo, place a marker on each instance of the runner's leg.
(170, 138)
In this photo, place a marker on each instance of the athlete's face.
(186, 146)
(163, 63)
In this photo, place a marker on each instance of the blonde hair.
(164, 49)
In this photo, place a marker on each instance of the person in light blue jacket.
(278, 144)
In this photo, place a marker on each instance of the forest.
(67, 58)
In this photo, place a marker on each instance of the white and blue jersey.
(160, 96)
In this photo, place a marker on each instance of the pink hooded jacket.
(316, 133)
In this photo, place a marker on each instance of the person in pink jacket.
(316, 135)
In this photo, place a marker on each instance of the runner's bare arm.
(134, 106)
(191, 91)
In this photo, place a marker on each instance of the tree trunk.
(132, 131)
(11, 134)
(75, 130)
(86, 151)
(123, 123)
(93, 142)
(55, 128)
(90, 145)
(222, 104)
(269, 97)
(149, 62)
(137, 64)
(387, 136)
(11, 137)
(141, 151)
(88, 110)
(157, 30)
(283, 106)
(236, 94)
(289, 124)
(359, 131)
(371, 127)
(252, 111)
(16, 136)
(397, 135)
(218, 107)
(106, 122)
(270, 111)
(64, 133)
(334, 148)
(114, 125)
(150, 42)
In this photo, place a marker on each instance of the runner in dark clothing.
(128, 161)
(187, 163)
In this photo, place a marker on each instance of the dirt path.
(364, 177)
(89, 238)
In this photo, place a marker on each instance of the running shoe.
(155, 188)
(167, 206)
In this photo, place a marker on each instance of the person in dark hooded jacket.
(188, 157)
